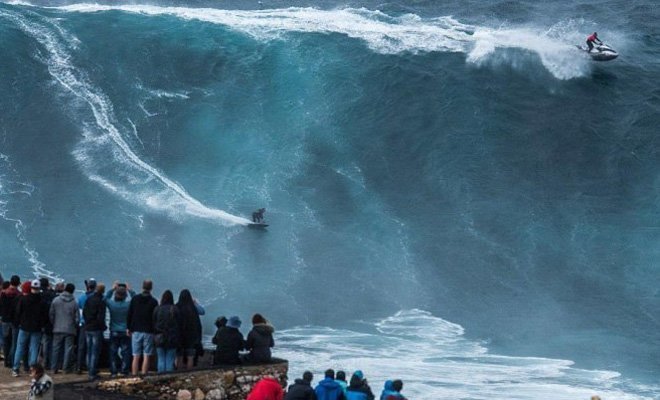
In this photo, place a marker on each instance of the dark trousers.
(82, 348)
(120, 343)
(10, 332)
(46, 348)
(62, 342)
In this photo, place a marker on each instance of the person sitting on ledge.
(302, 388)
(268, 388)
(259, 340)
(228, 340)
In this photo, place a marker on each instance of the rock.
(198, 395)
(153, 394)
(184, 394)
(216, 394)
(229, 377)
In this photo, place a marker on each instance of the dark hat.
(221, 321)
(234, 322)
(90, 283)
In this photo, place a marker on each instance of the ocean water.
(457, 196)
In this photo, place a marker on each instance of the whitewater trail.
(383, 33)
(104, 147)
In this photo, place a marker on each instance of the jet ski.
(600, 52)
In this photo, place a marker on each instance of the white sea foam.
(104, 154)
(383, 33)
(436, 361)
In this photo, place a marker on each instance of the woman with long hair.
(191, 330)
(168, 326)
(260, 340)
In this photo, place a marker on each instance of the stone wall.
(222, 383)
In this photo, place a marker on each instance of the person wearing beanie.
(229, 342)
(64, 316)
(268, 388)
(117, 300)
(8, 299)
(31, 314)
(359, 389)
(94, 314)
(259, 340)
(328, 389)
(302, 388)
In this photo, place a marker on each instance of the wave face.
(461, 158)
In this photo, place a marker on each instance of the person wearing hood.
(260, 340)
(394, 391)
(302, 388)
(8, 299)
(328, 389)
(340, 378)
(140, 324)
(268, 388)
(64, 316)
(31, 314)
(359, 389)
(229, 342)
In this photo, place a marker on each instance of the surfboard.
(256, 225)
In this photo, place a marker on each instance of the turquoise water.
(463, 159)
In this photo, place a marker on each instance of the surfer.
(258, 216)
(591, 39)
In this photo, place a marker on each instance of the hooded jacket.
(328, 389)
(358, 389)
(300, 390)
(266, 389)
(31, 313)
(94, 313)
(259, 342)
(63, 314)
(229, 342)
(140, 313)
(167, 322)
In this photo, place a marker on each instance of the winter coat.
(359, 390)
(94, 313)
(228, 341)
(259, 342)
(300, 390)
(266, 389)
(343, 384)
(31, 313)
(118, 312)
(140, 313)
(82, 299)
(63, 314)
(328, 389)
(191, 327)
(8, 299)
(48, 296)
(167, 324)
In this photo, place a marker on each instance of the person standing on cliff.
(31, 314)
(191, 330)
(141, 327)
(302, 388)
(117, 301)
(64, 317)
(94, 314)
(8, 299)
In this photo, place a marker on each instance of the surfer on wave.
(258, 216)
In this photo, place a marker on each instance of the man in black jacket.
(47, 295)
(8, 300)
(31, 315)
(302, 388)
(94, 315)
(141, 327)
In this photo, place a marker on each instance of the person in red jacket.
(268, 388)
(591, 39)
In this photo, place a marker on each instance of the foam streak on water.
(382, 33)
(104, 147)
(436, 361)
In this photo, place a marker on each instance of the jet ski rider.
(591, 39)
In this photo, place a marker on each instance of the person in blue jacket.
(358, 388)
(328, 389)
(118, 300)
(388, 390)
